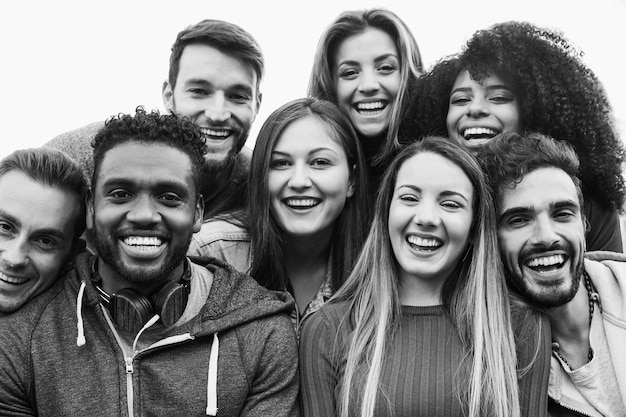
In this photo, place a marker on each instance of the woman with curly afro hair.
(518, 77)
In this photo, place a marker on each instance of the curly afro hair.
(558, 94)
(150, 128)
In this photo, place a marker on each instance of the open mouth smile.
(370, 108)
(479, 135)
(424, 244)
(302, 203)
(13, 280)
(545, 264)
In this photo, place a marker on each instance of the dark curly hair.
(150, 128)
(509, 157)
(559, 96)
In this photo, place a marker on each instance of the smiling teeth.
(299, 202)
(377, 105)
(478, 131)
(546, 261)
(222, 133)
(12, 280)
(142, 241)
(420, 241)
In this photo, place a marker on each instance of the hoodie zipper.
(130, 358)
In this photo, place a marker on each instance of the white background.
(68, 63)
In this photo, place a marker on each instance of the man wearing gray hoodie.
(140, 329)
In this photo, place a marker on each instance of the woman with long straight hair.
(423, 324)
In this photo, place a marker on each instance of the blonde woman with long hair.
(422, 327)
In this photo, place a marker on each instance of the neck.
(570, 328)
(214, 180)
(306, 263)
(420, 292)
(112, 282)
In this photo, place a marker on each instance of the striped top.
(419, 375)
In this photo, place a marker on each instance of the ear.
(90, 211)
(168, 96)
(351, 182)
(199, 213)
(257, 104)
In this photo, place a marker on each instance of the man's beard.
(212, 166)
(548, 296)
(109, 252)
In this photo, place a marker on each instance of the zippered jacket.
(59, 355)
(607, 271)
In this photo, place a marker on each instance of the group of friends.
(400, 242)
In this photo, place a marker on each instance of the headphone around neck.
(131, 310)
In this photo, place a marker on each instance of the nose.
(14, 253)
(426, 215)
(300, 177)
(216, 108)
(544, 232)
(368, 81)
(477, 107)
(144, 212)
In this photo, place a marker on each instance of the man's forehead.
(543, 187)
(135, 161)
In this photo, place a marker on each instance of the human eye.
(516, 222)
(387, 68)
(459, 99)
(564, 215)
(451, 204)
(170, 199)
(279, 164)
(6, 228)
(348, 73)
(502, 97)
(196, 91)
(408, 198)
(320, 162)
(240, 98)
(119, 196)
(46, 243)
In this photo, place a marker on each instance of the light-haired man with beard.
(139, 329)
(541, 230)
(214, 79)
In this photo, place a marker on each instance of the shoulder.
(329, 319)
(77, 144)
(607, 271)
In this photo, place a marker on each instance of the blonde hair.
(475, 298)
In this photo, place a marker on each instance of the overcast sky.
(69, 63)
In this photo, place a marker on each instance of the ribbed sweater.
(419, 372)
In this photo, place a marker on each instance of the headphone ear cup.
(130, 310)
(170, 302)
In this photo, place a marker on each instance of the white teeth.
(302, 202)
(546, 261)
(377, 105)
(142, 241)
(12, 280)
(222, 133)
(419, 241)
(479, 131)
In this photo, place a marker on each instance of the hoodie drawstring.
(211, 388)
(80, 338)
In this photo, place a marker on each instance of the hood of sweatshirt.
(234, 299)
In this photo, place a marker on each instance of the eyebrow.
(125, 182)
(312, 151)
(10, 218)
(445, 193)
(377, 59)
(488, 87)
(529, 209)
(200, 81)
